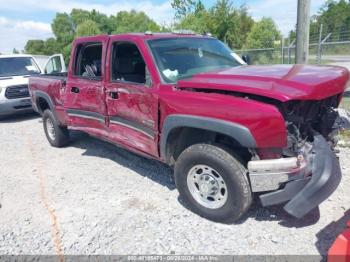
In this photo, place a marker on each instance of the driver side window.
(128, 64)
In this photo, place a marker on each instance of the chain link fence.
(325, 48)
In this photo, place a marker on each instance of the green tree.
(103, 22)
(183, 8)
(246, 23)
(263, 34)
(335, 18)
(51, 46)
(132, 22)
(63, 28)
(87, 28)
(198, 21)
(15, 51)
(292, 35)
(78, 16)
(223, 21)
(35, 47)
(85, 23)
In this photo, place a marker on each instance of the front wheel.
(213, 183)
(57, 135)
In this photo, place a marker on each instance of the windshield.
(179, 58)
(18, 66)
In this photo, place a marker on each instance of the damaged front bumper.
(302, 182)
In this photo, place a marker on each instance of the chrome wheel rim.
(50, 129)
(207, 186)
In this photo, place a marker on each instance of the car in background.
(15, 71)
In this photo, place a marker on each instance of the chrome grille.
(19, 91)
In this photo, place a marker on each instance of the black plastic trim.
(40, 94)
(86, 114)
(133, 125)
(113, 120)
(283, 195)
(307, 193)
(326, 176)
(234, 130)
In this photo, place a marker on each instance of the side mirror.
(246, 58)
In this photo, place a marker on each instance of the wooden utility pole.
(303, 29)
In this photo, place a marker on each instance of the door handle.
(123, 90)
(75, 90)
(113, 94)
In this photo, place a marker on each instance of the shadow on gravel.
(328, 234)
(277, 213)
(273, 213)
(19, 117)
(152, 169)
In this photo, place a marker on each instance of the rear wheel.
(57, 135)
(213, 183)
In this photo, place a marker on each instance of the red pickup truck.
(229, 130)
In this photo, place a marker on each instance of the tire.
(58, 136)
(201, 165)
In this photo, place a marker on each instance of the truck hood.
(281, 82)
(13, 80)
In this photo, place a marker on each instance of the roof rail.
(183, 32)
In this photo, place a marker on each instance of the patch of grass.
(313, 61)
(344, 136)
(345, 103)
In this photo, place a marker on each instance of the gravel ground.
(94, 198)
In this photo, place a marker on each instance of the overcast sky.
(21, 20)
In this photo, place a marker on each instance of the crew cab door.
(131, 97)
(55, 64)
(85, 92)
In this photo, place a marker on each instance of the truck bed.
(47, 83)
(63, 75)
(48, 86)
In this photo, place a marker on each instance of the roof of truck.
(167, 35)
(150, 35)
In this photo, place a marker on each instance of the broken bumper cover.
(304, 192)
(326, 176)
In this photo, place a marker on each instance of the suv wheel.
(57, 135)
(213, 183)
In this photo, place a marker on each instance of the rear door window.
(88, 62)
